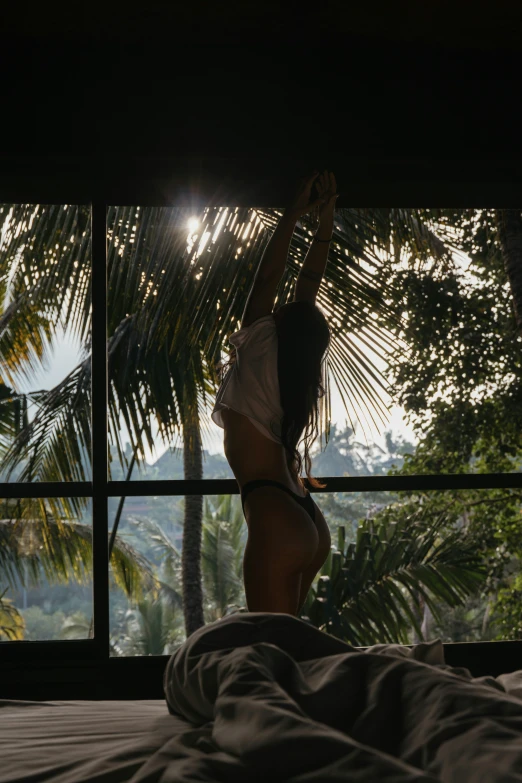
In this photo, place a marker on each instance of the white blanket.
(274, 699)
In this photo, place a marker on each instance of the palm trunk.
(192, 531)
(509, 225)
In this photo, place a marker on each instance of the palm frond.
(170, 596)
(25, 336)
(171, 561)
(13, 412)
(210, 280)
(218, 565)
(161, 543)
(150, 629)
(132, 571)
(12, 624)
(47, 249)
(367, 593)
(57, 442)
(62, 552)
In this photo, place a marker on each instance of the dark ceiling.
(395, 90)
(457, 23)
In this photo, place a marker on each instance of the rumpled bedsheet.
(272, 698)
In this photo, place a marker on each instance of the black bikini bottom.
(307, 503)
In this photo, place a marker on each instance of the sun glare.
(193, 224)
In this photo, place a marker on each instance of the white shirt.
(251, 385)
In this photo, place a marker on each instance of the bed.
(268, 697)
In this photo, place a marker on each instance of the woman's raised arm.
(312, 271)
(274, 258)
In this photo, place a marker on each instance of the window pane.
(423, 363)
(45, 342)
(444, 561)
(447, 559)
(45, 569)
(148, 620)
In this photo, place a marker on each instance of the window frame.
(65, 663)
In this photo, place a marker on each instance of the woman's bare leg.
(269, 588)
(323, 550)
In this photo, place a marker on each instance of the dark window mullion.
(447, 481)
(46, 489)
(99, 432)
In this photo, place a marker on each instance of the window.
(423, 332)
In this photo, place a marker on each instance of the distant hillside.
(170, 467)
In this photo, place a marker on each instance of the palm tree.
(172, 300)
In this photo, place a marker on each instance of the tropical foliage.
(392, 289)
(224, 541)
(59, 550)
(168, 304)
(369, 588)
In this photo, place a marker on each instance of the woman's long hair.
(303, 339)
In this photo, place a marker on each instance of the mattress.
(82, 741)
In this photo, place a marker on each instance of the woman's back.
(248, 407)
(251, 455)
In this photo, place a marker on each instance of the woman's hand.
(326, 188)
(301, 203)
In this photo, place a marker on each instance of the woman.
(268, 396)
